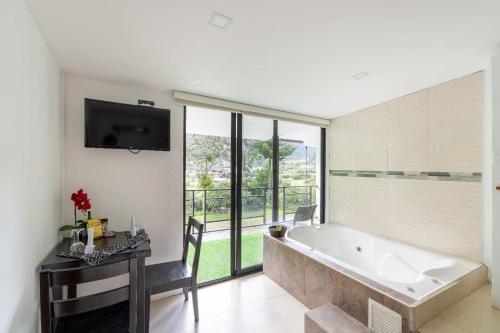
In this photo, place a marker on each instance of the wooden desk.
(53, 262)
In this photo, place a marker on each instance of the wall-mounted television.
(126, 126)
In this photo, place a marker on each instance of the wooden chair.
(177, 274)
(304, 214)
(110, 311)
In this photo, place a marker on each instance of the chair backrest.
(304, 213)
(56, 279)
(195, 241)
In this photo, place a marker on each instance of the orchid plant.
(81, 202)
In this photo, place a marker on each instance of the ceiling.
(291, 55)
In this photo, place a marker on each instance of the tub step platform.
(328, 318)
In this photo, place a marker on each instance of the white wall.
(487, 188)
(119, 182)
(495, 225)
(30, 164)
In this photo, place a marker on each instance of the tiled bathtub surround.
(315, 281)
(410, 169)
(328, 318)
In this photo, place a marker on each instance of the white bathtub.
(409, 270)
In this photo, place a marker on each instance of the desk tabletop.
(52, 261)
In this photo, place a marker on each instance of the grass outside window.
(215, 256)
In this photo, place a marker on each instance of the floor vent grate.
(381, 319)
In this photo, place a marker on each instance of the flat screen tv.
(126, 126)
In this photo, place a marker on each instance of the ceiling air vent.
(381, 319)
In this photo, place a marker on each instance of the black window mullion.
(275, 171)
(233, 194)
(322, 184)
(238, 189)
(184, 178)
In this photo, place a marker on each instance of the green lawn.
(215, 256)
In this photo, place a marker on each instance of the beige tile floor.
(255, 304)
(473, 314)
(251, 304)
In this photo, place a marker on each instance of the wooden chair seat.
(167, 276)
(111, 319)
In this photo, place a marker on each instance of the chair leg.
(147, 309)
(186, 293)
(194, 291)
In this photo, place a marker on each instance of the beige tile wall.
(407, 132)
(343, 198)
(372, 138)
(344, 139)
(435, 129)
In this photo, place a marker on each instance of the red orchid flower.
(81, 200)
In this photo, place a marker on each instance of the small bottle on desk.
(133, 227)
(89, 248)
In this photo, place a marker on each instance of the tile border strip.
(474, 177)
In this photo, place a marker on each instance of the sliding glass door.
(256, 189)
(208, 189)
(299, 171)
(242, 174)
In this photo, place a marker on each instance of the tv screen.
(125, 126)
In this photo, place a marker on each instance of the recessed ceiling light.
(219, 20)
(360, 75)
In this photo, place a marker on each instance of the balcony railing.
(213, 207)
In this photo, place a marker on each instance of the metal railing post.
(205, 209)
(284, 203)
(310, 195)
(265, 204)
(192, 203)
